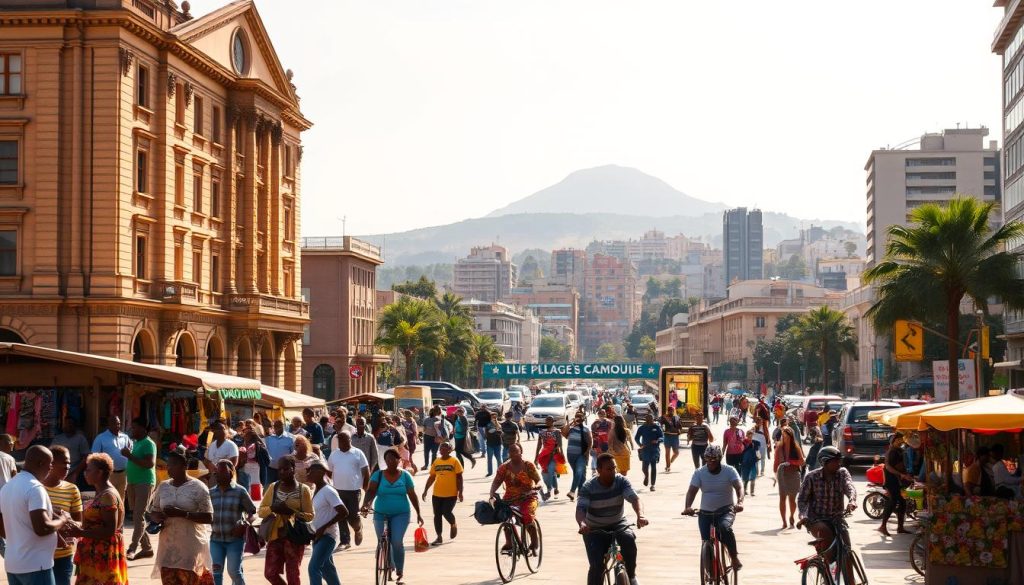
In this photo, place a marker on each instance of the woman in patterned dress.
(182, 504)
(521, 479)
(100, 555)
(304, 455)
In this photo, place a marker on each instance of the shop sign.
(239, 393)
(940, 375)
(572, 370)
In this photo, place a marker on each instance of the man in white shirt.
(112, 441)
(350, 472)
(219, 448)
(8, 467)
(31, 537)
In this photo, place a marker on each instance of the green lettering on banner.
(240, 393)
(571, 370)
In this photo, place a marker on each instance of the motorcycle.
(877, 499)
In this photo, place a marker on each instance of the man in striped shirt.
(600, 513)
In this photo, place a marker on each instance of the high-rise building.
(487, 274)
(568, 266)
(953, 162)
(149, 186)
(339, 357)
(1008, 42)
(556, 305)
(610, 302)
(743, 244)
(503, 323)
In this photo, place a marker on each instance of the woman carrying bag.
(287, 506)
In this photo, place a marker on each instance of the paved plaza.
(668, 547)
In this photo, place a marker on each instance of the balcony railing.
(175, 291)
(343, 244)
(260, 303)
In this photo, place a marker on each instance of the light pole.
(977, 354)
(778, 375)
(803, 372)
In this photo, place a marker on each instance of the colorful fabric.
(300, 500)
(65, 496)
(550, 440)
(972, 531)
(102, 562)
(518, 486)
(185, 577)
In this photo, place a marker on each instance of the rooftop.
(343, 244)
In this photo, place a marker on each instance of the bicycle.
(715, 563)
(919, 553)
(383, 567)
(614, 568)
(818, 570)
(518, 544)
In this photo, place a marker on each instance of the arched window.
(8, 336)
(323, 382)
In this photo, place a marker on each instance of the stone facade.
(155, 201)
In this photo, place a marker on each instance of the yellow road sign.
(985, 332)
(909, 341)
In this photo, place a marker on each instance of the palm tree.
(824, 329)
(409, 326)
(453, 341)
(948, 252)
(484, 351)
(451, 305)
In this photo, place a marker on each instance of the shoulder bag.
(300, 532)
(268, 523)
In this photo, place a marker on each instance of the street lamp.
(803, 372)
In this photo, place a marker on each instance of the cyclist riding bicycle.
(520, 478)
(821, 497)
(718, 484)
(600, 513)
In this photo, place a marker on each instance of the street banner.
(571, 370)
(940, 376)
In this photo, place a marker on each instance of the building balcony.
(343, 244)
(176, 292)
(262, 303)
(369, 353)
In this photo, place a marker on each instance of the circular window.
(240, 52)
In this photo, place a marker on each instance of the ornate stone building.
(149, 186)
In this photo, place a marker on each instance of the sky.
(428, 112)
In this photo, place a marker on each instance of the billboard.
(966, 375)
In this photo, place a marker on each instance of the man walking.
(509, 435)
(141, 476)
(350, 473)
(314, 431)
(365, 442)
(219, 448)
(231, 506)
(31, 537)
(483, 418)
(113, 442)
(279, 443)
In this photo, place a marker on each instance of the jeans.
(597, 544)
(63, 569)
(504, 453)
(493, 451)
(138, 496)
(227, 554)
(481, 434)
(698, 454)
(242, 478)
(398, 524)
(549, 475)
(430, 446)
(321, 562)
(444, 508)
(33, 578)
(578, 463)
(723, 519)
(593, 459)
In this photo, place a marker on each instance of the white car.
(522, 391)
(573, 399)
(545, 405)
(642, 404)
(496, 401)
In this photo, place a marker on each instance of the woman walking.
(232, 509)
(579, 442)
(748, 464)
(895, 472)
(732, 442)
(620, 444)
(649, 437)
(463, 442)
(446, 477)
(789, 458)
(182, 505)
(412, 432)
(328, 513)
(286, 501)
(549, 447)
(699, 435)
(390, 493)
(304, 457)
(255, 454)
(100, 555)
(673, 427)
(519, 478)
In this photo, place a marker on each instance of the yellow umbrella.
(993, 413)
(907, 418)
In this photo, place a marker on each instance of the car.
(495, 400)
(554, 405)
(644, 404)
(814, 402)
(522, 391)
(448, 393)
(858, 438)
(574, 399)
(909, 401)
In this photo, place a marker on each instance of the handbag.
(254, 543)
(299, 532)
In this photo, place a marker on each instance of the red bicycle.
(715, 563)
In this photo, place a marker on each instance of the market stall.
(972, 539)
(370, 401)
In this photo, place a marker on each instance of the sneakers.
(142, 554)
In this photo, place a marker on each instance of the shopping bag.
(253, 542)
(421, 539)
(256, 492)
(560, 467)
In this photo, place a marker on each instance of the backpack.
(485, 513)
(444, 429)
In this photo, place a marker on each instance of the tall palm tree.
(948, 252)
(822, 330)
(484, 351)
(451, 305)
(454, 341)
(409, 326)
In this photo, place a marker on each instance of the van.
(415, 398)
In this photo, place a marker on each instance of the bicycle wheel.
(726, 576)
(621, 577)
(874, 505)
(505, 559)
(383, 569)
(609, 569)
(859, 576)
(815, 573)
(533, 562)
(918, 554)
(707, 559)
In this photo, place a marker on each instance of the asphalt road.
(668, 547)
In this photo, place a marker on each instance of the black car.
(857, 437)
(448, 393)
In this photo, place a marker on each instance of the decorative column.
(232, 270)
(275, 237)
(269, 242)
(249, 218)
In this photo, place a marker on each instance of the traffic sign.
(355, 372)
(985, 333)
(909, 341)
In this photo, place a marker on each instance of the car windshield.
(542, 401)
(642, 399)
(490, 395)
(859, 414)
(514, 395)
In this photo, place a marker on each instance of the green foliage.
(851, 248)
(825, 334)
(483, 351)
(424, 288)
(647, 349)
(553, 350)
(947, 253)
(408, 326)
(669, 310)
(610, 352)
(793, 269)
(442, 274)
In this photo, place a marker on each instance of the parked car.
(545, 405)
(814, 402)
(573, 399)
(449, 393)
(495, 400)
(857, 437)
(643, 404)
(523, 392)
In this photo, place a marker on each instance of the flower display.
(971, 531)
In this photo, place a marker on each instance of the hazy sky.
(433, 111)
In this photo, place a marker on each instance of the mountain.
(611, 189)
(548, 231)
